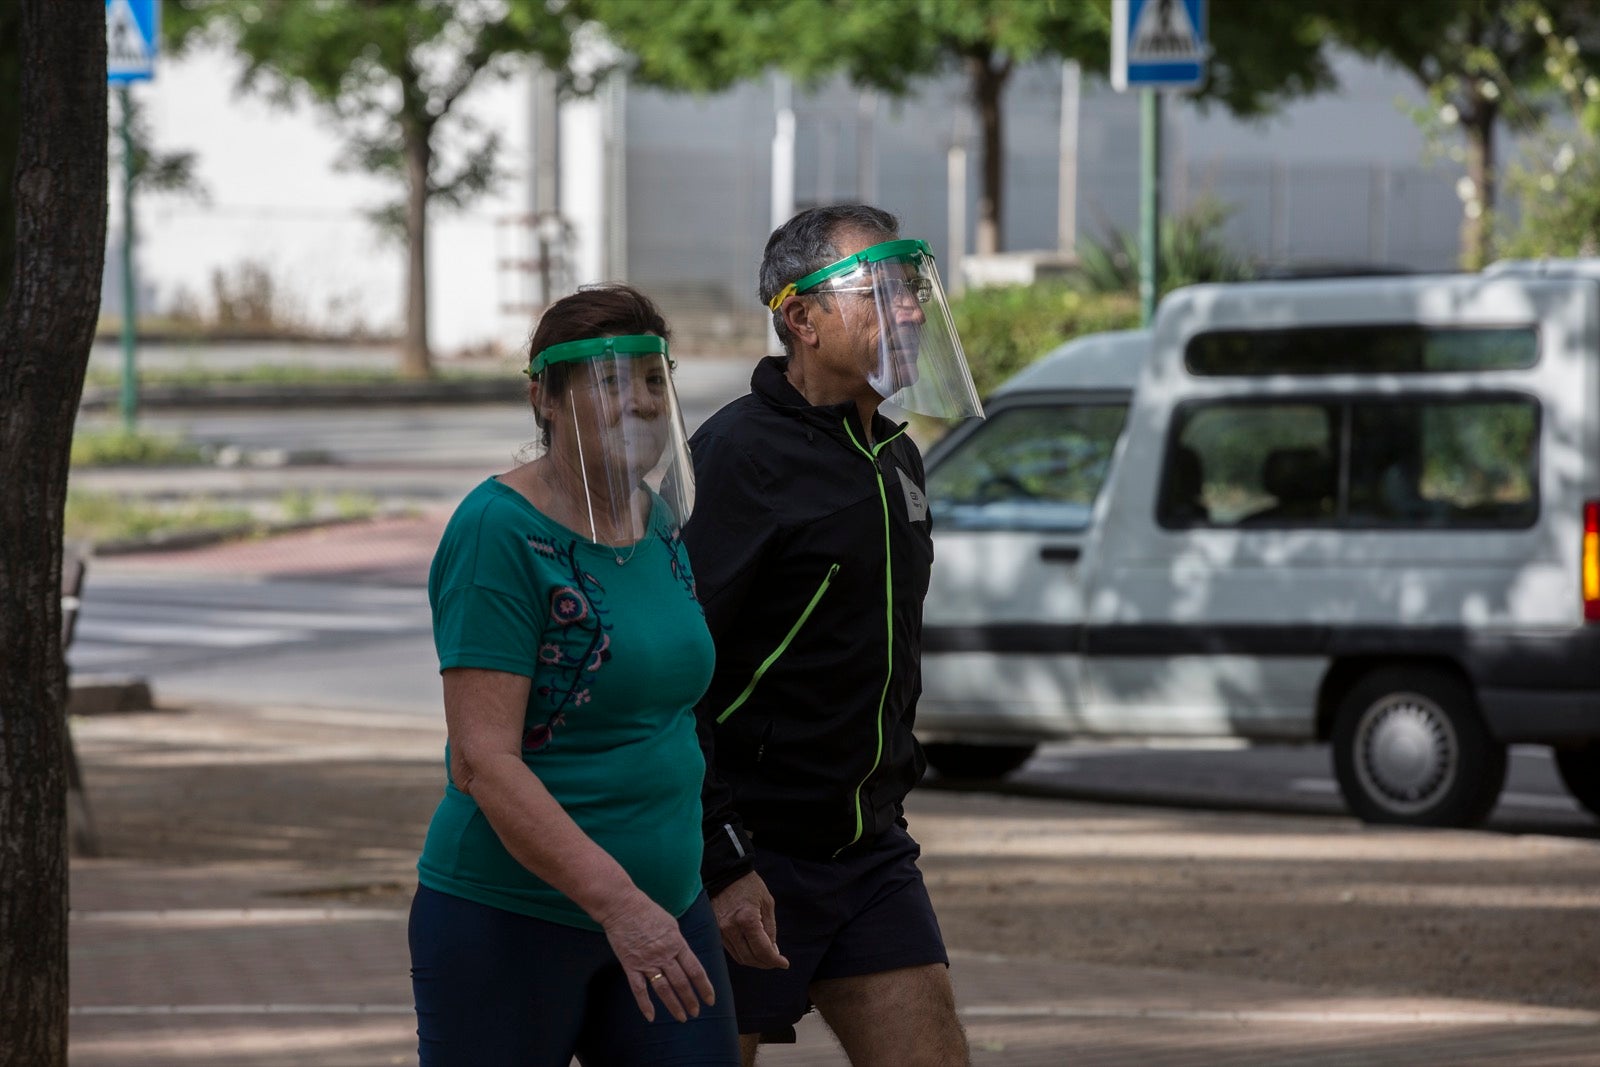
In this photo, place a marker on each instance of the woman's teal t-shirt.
(618, 654)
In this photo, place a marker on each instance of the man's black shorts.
(837, 919)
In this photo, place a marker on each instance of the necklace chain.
(544, 473)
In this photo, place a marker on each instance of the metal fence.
(699, 181)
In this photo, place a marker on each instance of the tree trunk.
(1477, 231)
(416, 358)
(10, 122)
(988, 82)
(46, 326)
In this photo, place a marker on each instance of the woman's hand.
(657, 959)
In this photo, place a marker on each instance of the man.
(810, 544)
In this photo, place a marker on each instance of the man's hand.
(749, 927)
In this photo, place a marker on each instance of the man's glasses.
(896, 289)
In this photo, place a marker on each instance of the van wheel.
(1580, 773)
(976, 761)
(1409, 748)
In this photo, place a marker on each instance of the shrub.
(1192, 251)
(1005, 328)
(119, 447)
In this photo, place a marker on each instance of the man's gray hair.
(808, 242)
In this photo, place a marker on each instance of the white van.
(1364, 511)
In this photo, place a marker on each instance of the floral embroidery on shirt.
(575, 645)
(567, 606)
(679, 563)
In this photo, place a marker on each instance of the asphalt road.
(347, 640)
(364, 644)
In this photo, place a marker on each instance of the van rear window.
(1370, 349)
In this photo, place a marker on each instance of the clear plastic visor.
(915, 359)
(616, 449)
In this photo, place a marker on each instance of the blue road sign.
(132, 27)
(1158, 44)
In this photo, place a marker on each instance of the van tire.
(1580, 773)
(976, 761)
(1409, 748)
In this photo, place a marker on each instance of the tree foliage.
(391, 74)
(155, 170)
(1264, 53)
(1557, 184)
(1481, 62)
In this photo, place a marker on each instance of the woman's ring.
(657, 977)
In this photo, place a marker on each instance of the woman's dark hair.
(612, 310)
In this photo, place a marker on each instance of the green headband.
(900, 249)
(633, 344)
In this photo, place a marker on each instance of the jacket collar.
(772, 385)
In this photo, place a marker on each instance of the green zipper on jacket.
(782, 645)
(888, 614)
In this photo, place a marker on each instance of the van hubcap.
(1406, 752)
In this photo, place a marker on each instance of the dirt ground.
(1318, 901)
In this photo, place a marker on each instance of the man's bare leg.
(747, 1048)
(900, 1018)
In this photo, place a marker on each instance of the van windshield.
(1028, 468)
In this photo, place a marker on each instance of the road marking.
(242, 1009)
(1334, 1016)
(148, 633)
(210, 916)
(1327, 786)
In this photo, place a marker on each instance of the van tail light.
(1591, 561)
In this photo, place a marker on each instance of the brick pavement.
(248, 908)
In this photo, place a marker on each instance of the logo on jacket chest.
(916, 499)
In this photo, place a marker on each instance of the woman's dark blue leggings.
(498, 989)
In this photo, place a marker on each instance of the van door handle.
(1060, 553)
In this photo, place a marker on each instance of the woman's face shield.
(892, 291)
(617, 439)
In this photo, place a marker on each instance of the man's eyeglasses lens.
(920, 289)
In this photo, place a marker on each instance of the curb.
(471, 391)
(185, 539)
(109, 696)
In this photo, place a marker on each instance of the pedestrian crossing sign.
(1158, 44)
(131, 32)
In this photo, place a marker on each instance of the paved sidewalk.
(248, 908)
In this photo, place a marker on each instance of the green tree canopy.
(1557, 182)
(1481, 62)
(391, 74)
(1265, 53)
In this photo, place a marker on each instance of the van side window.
(1252, 463)
(1368, 349)
(1438, 464)
(1029, 468)
(1410, 463)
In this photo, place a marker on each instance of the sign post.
(1155, 45)
(131, 33)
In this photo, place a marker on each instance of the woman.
(560, 901)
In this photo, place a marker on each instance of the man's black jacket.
(811, 552)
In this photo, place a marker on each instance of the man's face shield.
(617, 441)
(892, 292)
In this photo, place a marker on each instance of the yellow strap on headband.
(783, 294)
